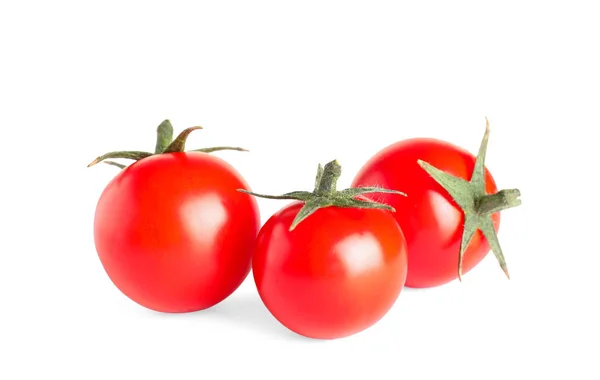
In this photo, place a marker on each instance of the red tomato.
(337, 273)
(430, 219)
(172, 232)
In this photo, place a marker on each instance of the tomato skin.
(172, 232)
(337, 273)
(428, 216)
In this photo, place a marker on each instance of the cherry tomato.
(335, 273)
(429, 217)
(172, 232)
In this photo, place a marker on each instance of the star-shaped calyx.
(477, 205)
(164, 144)
(326, 195)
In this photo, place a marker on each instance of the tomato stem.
(478, 206)
(217, 148)
(502, 200)
(327, 178)
(326, 195)
(112, 163)
(164, 136)
(178, 145)
(132, 155)
(164, 144)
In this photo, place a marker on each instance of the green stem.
(218, 148)
(164, 144)
(477, 206)
(329, 177)
(178, 145)
(112, 163)
(298, 195)
(326, 195)
(131, 155)
(164, 136)
(502, 200)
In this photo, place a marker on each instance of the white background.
(298, 83)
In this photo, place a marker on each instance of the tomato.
(430, 217)
(335, 273)
(172, 232)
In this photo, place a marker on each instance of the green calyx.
(164, 144)
(326, 195)
(477, 205)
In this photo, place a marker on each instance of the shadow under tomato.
(241, 310)
(248, 311)
(416, 290)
